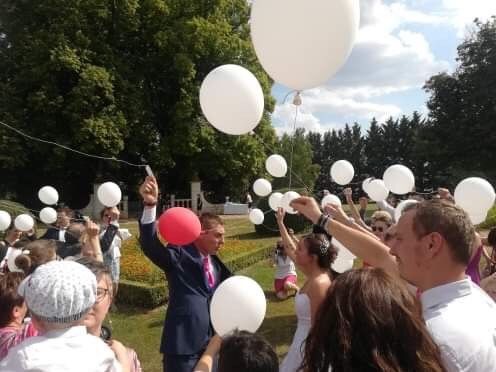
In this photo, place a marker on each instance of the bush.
(248, 259)
(142, 295)
(269, 227)
(135, 266)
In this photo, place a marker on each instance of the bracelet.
(323, 220)
(149, 204)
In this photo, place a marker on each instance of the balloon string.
(68, 148)
(292, 146)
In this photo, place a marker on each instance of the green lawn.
(141, 330)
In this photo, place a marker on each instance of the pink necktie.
(208, 272)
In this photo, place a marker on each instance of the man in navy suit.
(193, 272)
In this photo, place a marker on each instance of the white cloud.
(461, 13)
(387, 58)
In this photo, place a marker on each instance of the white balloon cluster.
(48, 195)
(377, 191)
(48, 215)
(276, 165)
(399, 179)
(287, 198)
(256, 216)
(275, 200)
(330, 199)
(476, 196)
(262, 187)
(24, 222)
(238, 303)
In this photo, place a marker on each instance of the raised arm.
(360, 244)
(91, 245)
(289, 243)
(348, 193)
(338, 213)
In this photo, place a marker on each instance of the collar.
(445, 293)
(75, 331)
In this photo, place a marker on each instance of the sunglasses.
(379, 229)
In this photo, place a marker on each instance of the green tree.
(122, 79)
(304, 172)
(460, 137)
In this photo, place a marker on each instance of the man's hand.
(149, 191)
(308, 207)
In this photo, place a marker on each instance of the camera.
(105, 333)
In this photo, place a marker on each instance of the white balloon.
(262, 187)
(256, 216)
(24, 222)
(342, 250)
(238, 303)
(398, 211)
(109, 194)
(275, 201)
(48, 195)
(475, 195)
(288, 198)
(11, 257)
(330, 199)
(302, 43)
(48, 215)
(365, 183)
(342, 172)
(276, 165)
(477, 218)
(377, 190)
(232, 99)
(399, 179)
(5, 220)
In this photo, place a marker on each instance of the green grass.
(142, 330)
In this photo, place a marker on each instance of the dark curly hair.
(320, 245)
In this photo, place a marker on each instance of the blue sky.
(404, 43)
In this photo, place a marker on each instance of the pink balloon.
(179, 226)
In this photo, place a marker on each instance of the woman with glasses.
(96, 316)
(380, 223)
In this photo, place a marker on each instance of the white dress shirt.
(71, 349)
(462, 320)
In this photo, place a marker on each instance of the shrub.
(142, 295)
(135, 266)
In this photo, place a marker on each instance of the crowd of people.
(420, 302)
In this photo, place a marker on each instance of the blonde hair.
(382, 216)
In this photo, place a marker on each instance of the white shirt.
(462, 320)
(62, 234)
(71, 349)
(284, 267)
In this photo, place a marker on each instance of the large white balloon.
(302, 43)
(342, 172)
(288, 198)
(256, 216)
(330, 199)
(232, 99)
(48, 195)
(24, 222)
(377, 190)
(399, 179)
(109, 194)
(477, 218)
(5, 220)
(475, 195)
(262, 187)
(398, 211)
(276, 165)
(48, 215)
(238, 303)
(275, 200)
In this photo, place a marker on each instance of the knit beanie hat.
(59, 291)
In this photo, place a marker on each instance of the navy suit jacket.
(187, 327)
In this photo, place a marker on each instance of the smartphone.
(148, 170)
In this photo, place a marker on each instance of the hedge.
(147, 295)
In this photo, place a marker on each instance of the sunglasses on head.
(377, 228)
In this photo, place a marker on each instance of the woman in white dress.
(313, 255)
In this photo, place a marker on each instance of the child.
(285, 276)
